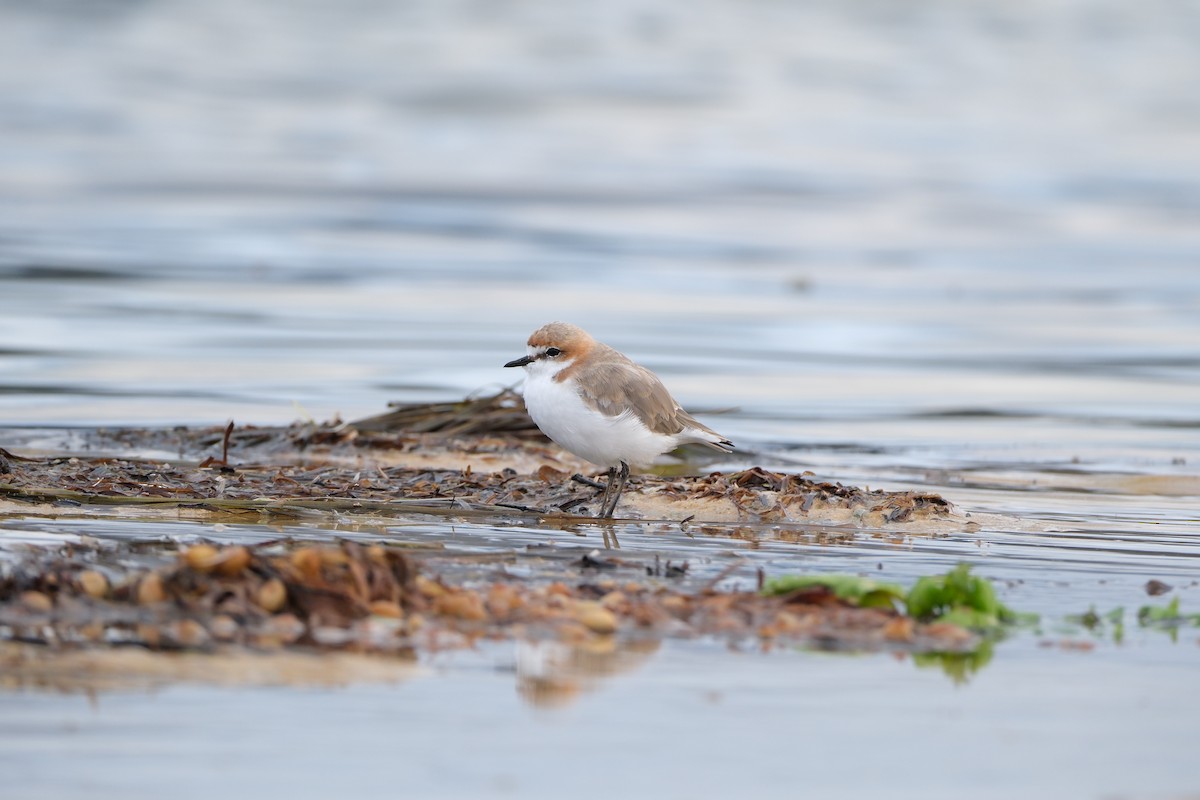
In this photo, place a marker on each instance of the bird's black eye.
(553, 351)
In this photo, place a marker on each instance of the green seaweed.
(957, 597)
(963, 599)
(1166, 618)
(863, 592)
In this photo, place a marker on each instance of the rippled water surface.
(951, 245)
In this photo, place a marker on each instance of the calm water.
(939, 244)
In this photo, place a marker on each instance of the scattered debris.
(594, 560)
(1155, 587)
(667, 570)
(223, 462)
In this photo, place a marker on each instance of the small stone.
(93, 583)
(187, 633)
(428, 587)
(201, 557)
(465, 605)
(223, 627)
(38, 602)
(308, 561)
(272, 595)
(233, 561)
(596, 618)
(286, 628)
(150, 590)
(387, 608)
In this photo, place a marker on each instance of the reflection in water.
(553, 673)
(958, 667)
(549, 673)
(64, 669)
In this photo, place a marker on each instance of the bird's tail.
(709, 438)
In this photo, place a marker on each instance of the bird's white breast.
(563, 415)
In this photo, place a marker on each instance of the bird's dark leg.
(608, 485)
(616, 484)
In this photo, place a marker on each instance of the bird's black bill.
(520, 362)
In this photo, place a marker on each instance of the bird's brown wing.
(612, 384)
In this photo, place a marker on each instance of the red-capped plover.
(601, 406)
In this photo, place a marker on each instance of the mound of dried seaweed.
(378, 599)
(755, 494)
(503, 412)
(769, 496)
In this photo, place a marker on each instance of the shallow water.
(945, 245)
(668, 728)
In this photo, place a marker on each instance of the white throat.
(544, 369)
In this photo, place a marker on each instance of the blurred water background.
(222, 209)
(946, 242)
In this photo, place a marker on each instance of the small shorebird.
(599, 405)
